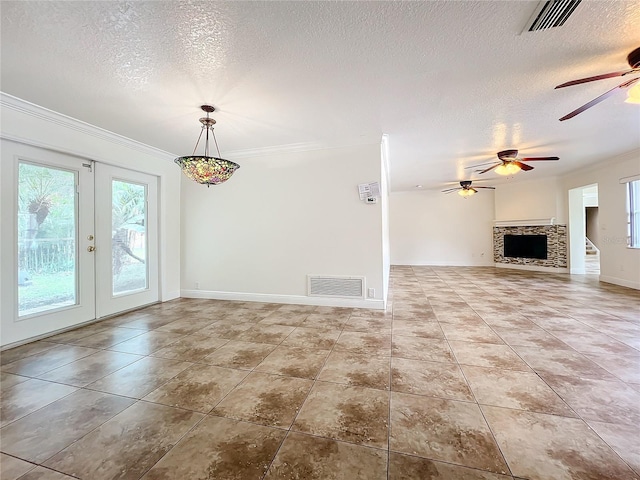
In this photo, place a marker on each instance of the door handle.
(91, 248)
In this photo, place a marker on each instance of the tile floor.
(472, 373)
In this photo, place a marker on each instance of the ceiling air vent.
(335, 286)
(553, 13)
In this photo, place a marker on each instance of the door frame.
(14, 330)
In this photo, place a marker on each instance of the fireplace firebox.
(525, 246)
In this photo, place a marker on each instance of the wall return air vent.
(335, 286)
(550, 14)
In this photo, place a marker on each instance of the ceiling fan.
(510, 164)
(465, 189)
(634, 94)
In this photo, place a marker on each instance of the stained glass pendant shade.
(203, 168)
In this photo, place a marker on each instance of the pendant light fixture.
(203, 168)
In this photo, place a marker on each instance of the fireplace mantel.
(531, 222)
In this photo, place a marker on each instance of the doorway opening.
(584, 230)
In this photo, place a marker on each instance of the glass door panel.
(126, 239)
(47, 238)
(129, 259)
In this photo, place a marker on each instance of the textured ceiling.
(450, 82)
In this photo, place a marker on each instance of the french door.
(86, 240)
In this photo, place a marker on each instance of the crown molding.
(27, 108)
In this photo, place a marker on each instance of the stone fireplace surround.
(556, 244)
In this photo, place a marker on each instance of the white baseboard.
(620, 281)
(172, 295)
(533, 268)
(374, 304)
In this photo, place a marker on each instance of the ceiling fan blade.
(490, 168)
(524, 167)
(597, 100)
(597, 77)
(490, 188)
(449, 190)
(479, 165)
(533, 159)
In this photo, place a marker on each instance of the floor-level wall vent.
(335, 286)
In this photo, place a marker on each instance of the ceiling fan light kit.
(633, 94)
(205, 169)
(508, 168)
(465, 189)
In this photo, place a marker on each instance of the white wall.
(432, 228)
(524, 199)
(32, 125)
(279, 218)
(618, 263)
(384, 200)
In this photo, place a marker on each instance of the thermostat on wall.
(371, 200)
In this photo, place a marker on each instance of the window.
(633, 209)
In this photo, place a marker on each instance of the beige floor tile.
(368, 324)
(23, 351)
(540, 446)
(237, 354)
(419, 348)
(186, 326)
(435, 379)
(530, 337)
(234, 450)
(444, 430)
(306, 457)
(146, 343)
(75, 334)
(325, 321)
(127, 445)
(626, 368)
(198, 388)
(488, 355)
(12, 468)
(471, 333)
(405, 467)
(358, 370)
(364, 343)
(622, 439)
(139, 378)
(352, 414)
(293, 362)
(41, 473)
(29, 396)
(417, 329)
(599, 400)
(90, 368)
(561, 361)
(514, 389)
(45, 432)
(47, 360)
(273, 334)
(8, 380)
(226, 329)
(107, 338)
(312, 338)
(270, 400)
(292, 319)
(191, 348)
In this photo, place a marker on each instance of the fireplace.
(530, 246)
